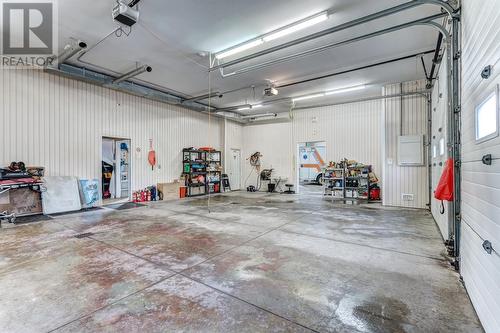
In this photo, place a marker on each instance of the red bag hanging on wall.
(444, 190)
(151, 155)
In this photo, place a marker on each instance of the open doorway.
(115, 165)
(311, 161)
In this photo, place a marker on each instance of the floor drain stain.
(85, 235)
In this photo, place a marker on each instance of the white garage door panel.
(478, 268)
(482, 178)
(476, 152)
(480, 183)
(475, 220)
(484, 193)
(491, 211)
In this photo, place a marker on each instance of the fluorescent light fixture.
(327, 93)
(303, 98)
(344, 90)
(275, 34)
(306, 23)
(240, 48)
(250, 107)
(265, 115)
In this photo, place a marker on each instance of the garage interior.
(251, 166)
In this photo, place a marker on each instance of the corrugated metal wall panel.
(233, 139)
(273, 141)
(59, 123)
(440, 131)
(480, 183)
(350, 131)
(234, 135)
(404, 180)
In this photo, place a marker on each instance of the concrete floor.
(255, 263)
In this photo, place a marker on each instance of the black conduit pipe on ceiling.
(134, 3)
(353, 69)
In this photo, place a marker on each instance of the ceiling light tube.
(344, 90)
(294, 27)
(240, 48)
(265, 115)
(244, 108)
(275, 34)
(303, 98)
(250, 107)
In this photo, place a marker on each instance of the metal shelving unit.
(201, 170)
(334, 183)
(348, 183)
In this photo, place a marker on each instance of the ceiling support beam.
(387, 12)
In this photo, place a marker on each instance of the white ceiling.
(172, 33)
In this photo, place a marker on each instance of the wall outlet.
(407, 197)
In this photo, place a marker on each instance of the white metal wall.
(480, 183)
(439, 131)
(404, 180)
(233, 137)
(59, 123)
(349, 130)
(273, 141)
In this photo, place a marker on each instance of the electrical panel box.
(411, 150)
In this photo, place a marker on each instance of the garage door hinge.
(458, 109)
(457, 55)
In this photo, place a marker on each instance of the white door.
(234, 169)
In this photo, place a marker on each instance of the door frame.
(115, 139)
(297, 160)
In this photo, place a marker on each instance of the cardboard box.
(169, 191)
(21, 202)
